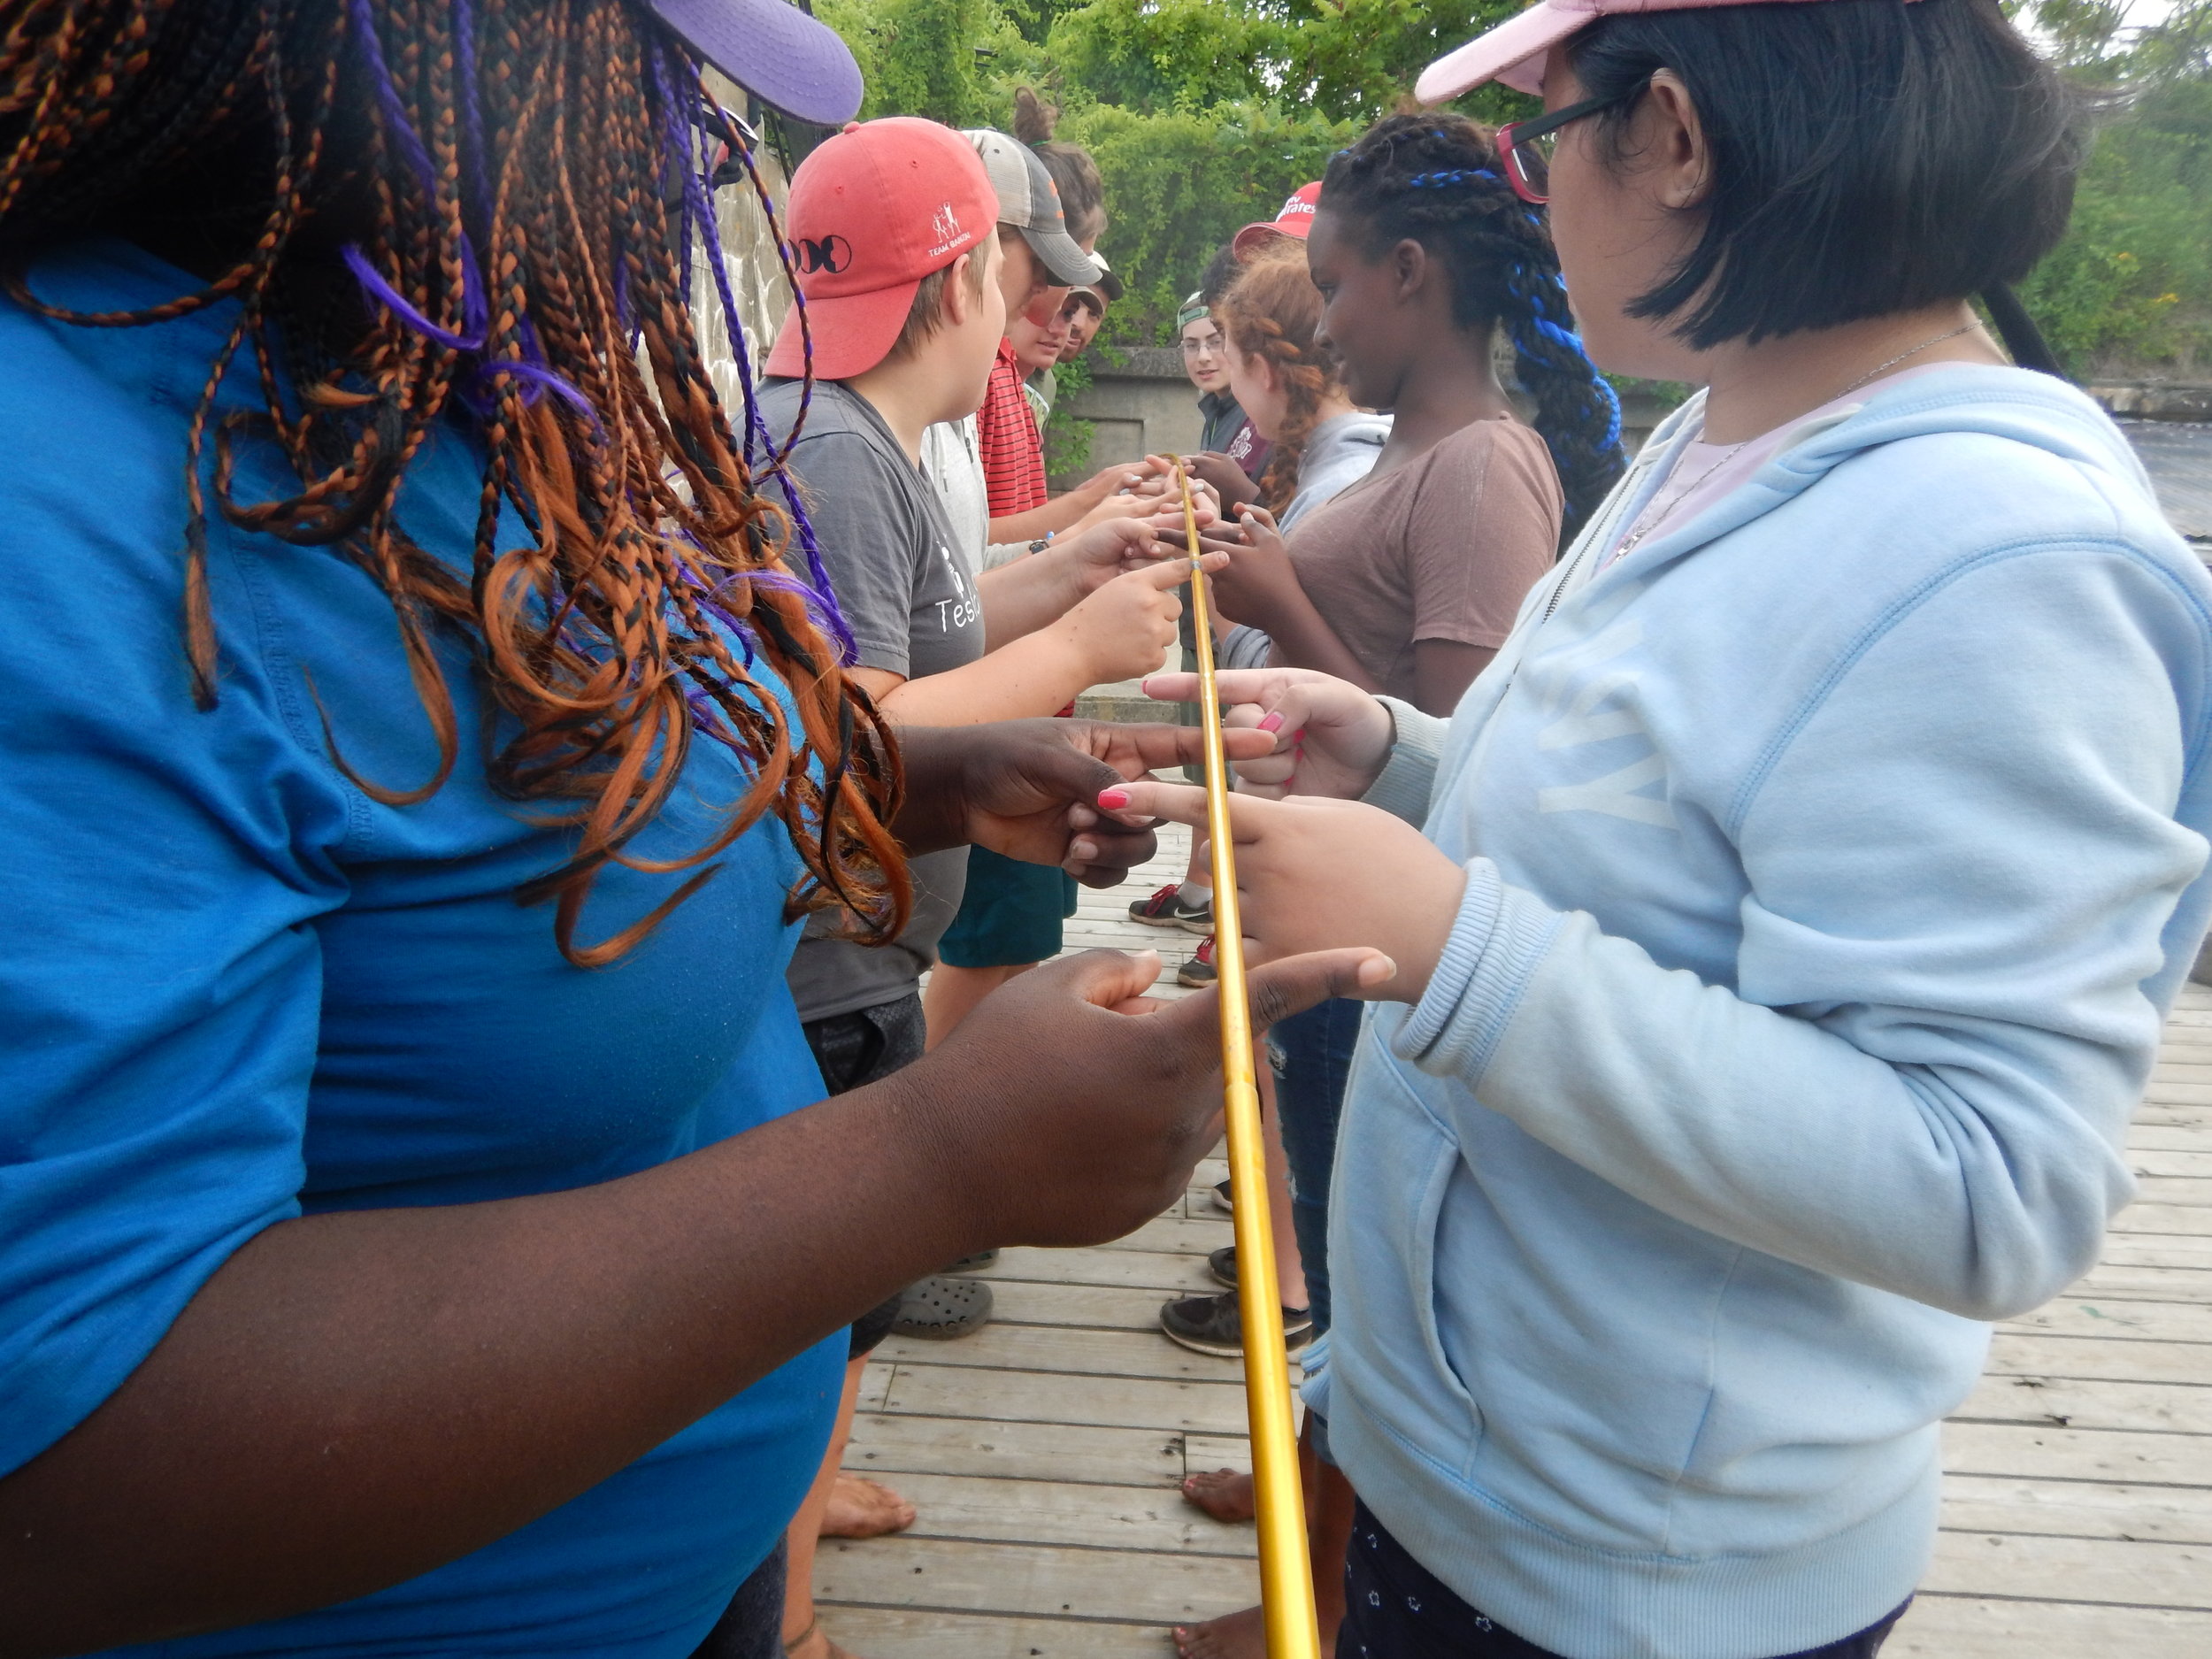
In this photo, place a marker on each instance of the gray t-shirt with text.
(907, 588)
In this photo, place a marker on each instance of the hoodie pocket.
(1395, 1163)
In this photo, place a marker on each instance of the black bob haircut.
(1868, 157)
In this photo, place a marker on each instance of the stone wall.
(1142, 403)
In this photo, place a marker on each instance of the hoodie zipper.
(1596, 535)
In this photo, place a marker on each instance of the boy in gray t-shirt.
(908, 589)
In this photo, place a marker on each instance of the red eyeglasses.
(1526, 146)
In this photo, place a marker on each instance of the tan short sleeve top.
(1443, 548)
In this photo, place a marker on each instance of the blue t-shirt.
(234, 988)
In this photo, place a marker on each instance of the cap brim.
(1514, 52)
(1070, 266)
(773, 50)
(1254, 236)
(852, 333)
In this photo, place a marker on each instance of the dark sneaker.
(1166, 909)
(1225, 1200)
(1199, 972)
(1222, 1264)
(1211, 1325)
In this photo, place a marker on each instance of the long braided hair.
(483, 208)
(1435, 179)
(1272, 311)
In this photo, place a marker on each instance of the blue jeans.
(1312, 1056)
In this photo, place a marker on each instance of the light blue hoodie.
(1832, 860)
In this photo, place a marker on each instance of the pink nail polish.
(1272, 723)
(1113, 800)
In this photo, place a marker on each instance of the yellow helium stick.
(1285, 1574)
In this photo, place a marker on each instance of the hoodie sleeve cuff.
(1313, 1360)
(1408, 777)
(1498, 937)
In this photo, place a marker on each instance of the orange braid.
(601, 635)
(1272, 311)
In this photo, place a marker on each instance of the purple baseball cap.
(774, 50)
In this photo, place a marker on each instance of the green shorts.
(1010, 914)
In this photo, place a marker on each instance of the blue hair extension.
(1446, 180)
(822, 594)
(475, 312)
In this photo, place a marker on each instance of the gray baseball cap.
(1030, 202)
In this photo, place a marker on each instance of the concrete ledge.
(2155, 400)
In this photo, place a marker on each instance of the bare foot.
(860, 1508)
(813, 1642)
(1223, 1493)
(1232, 1636)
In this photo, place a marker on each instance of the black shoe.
(1222, 1264)
(1211, 1325)
(1225, 1198)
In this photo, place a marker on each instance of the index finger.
(1184, 803)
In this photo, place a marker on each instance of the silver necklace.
(1948, 333)
(1681, 496)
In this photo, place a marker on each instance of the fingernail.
(1378, 969)
(1272, 723)
(1113, 800)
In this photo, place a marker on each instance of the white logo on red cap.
(945, 226)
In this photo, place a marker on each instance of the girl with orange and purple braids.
(386, 1264)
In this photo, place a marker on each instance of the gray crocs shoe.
(940, 1308)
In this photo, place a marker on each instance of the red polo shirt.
(1006, 433)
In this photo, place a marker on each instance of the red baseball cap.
(1514, 53)
(1295, 220)
(872, 211)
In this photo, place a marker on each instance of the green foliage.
(1067, 437)
(2129, 290)
(1202, 114)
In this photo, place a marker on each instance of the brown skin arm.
(1442, 670)
(354, 1399)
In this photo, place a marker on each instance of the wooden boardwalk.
(1043, 1453)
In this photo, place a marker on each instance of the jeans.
(751, 1627)
(1315, 1050)
(1396, 1609)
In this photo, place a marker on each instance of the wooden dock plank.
(2133, 1572)
(876, 1632)
(2093, 1359)
(937, 1391)
(1060, 1512)
(2050, 1452)
(1958, 1627)
(2077, 1508)
(1015, 1451)
(1037, 1579)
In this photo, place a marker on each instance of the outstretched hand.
(1329, 737)
(1314, 874)
(1029, 789)
(1069, 1109)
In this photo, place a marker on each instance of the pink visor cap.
(1514, 52)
